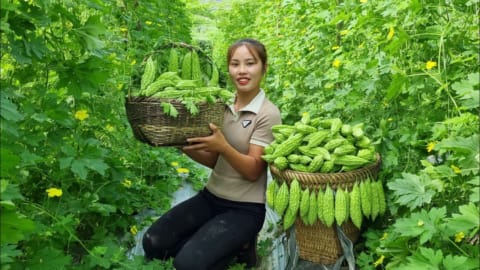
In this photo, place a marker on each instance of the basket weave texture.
(318, 243)
(152, 126)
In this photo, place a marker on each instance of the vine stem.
(457, 247)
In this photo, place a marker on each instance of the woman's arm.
(250, 165)
(205, 158)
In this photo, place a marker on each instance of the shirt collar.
(254, 105)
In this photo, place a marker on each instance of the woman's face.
(246, 70)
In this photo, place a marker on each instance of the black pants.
(201, 232)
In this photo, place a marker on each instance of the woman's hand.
(216, 142)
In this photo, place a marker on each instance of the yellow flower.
(81, 115)
(343, 32)
(182, 170)
(123, 29)
(133, 62)
(174, 164)
(311, 48)
(286, 84)
(430, 64)
(289, 62)
(336, 63)
(336, 47)
(459, 237)
(133, 230)
(455, 169)
(384, 236)
(390, 119)
(54, 192)
(127, 183)
(363, 1)
(390, 33)
(420, 223)
(430, 146)
(379, 261)
(148, 22)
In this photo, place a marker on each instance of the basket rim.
(306, 178)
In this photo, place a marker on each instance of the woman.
(207, 230)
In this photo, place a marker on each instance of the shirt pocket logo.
(246, 123)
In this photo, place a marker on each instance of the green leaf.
(8, 254)
(412, 190)
(467, 92)
(49, 258)
(9, 110)
(8, 161)
(426, 258)
(89, 33)
(457, 262)
(468, 151)
(29, 158)
(422, 224)
(169, 109)
(467, 221)
(9, 191)
(80, 166)
(13, 227)
(65, 162)
(396, 86)
(191, 107)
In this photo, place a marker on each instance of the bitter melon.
(328, 206)
(365, 197)
(356, 214)
(272, 189)
(340, 206)
(312, 210)
(281, 199)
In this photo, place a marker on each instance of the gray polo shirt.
(250, 125)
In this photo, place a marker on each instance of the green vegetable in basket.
(191, 66)
(173, 61)
(149, 73)
(157, 86)
(215, 76)
(186, 84)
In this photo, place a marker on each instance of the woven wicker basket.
(150, 125)
(318, 243)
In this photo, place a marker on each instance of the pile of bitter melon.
(323, 145)
(363, 199)
(320, 145)
(182, 81)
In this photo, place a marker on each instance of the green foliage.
(409, 71)
(73, 176)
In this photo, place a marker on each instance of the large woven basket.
(318, 243)
(152, 126)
